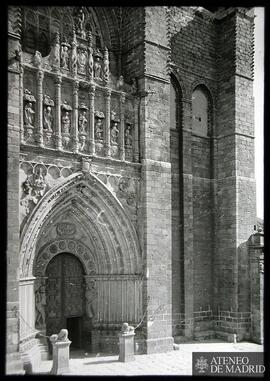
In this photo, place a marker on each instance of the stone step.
(204, 335)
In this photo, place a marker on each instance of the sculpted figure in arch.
(47, 123)
(90, 295)
(82, 122)
(29, 114)
(40, 299)
(66, 122)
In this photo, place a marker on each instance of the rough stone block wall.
(132, 42)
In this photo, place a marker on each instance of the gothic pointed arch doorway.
(65, 297)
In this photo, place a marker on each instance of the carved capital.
(75, 87)
(108, 93)
(58, 80)
(92, 89)
(40, 76)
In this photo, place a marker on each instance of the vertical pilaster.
(136, 131)
(122, 127)
(58, 135)
(39, 109)
(92, 119)
(108, 122)
(75, 117)
(188, 260)
(21, 106)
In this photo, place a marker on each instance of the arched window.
(201, 111)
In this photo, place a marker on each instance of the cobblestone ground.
(177, 362)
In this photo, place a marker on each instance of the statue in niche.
(82, 144)
(79, 19)
(114, 132)
(66, 122)
(99, 129)
(97, 66)
(48, 118)
(90, 295)
(120, 83)
(64, 55)
(29, 114)
(128, 135)
(82, 60)
(40, 303)
(37, 58)
(82, 121)
(134, 86)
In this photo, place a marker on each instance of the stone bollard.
(126, 343)
(60, 345)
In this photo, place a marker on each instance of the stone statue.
(82, 122)
(37, 58)
(64, 56)
(99, 129)
(80, 23)
(29, 114)
(128, 135)
(82, 60)
(114, 132)
(61, 336)
(39, 185)
(120, 83)
(97, 67)
(134, 87)
(47, 118)
(126, 328)
(90, 294)
(40, 299)
(66, 123)
(27, 186)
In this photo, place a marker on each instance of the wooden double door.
(65, 297)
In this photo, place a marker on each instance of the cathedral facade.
(131, 190)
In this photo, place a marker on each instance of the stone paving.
(177, 362)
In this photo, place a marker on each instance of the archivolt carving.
(64, 245)
(99, 208)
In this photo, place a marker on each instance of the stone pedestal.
(126, 347)
(60, 357)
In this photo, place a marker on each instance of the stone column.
(107, 142)
(39, 109)
(92, 118)
(75, 117)
(136, 131)
(21, 106)
(122, 127)
(58, 136)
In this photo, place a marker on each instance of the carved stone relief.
(36, 179)
(91, 294)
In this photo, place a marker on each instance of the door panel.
(64, 291)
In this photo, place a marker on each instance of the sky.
(258, 91)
